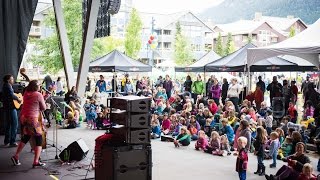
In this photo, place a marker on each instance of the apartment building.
(262, 30)
(198, 34)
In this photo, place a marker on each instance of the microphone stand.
(55, 128)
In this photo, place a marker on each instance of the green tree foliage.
(182, 51)
(48, 54)
(111, 43)
(292, 31)
(249, 40)
(230, 48)
(219, 47)
(132, 41)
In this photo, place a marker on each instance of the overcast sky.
(171, 6)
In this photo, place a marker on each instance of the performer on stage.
(30, 122)
(11, 123)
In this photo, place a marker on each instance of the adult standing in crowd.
(287, 94)
(304, 86)
(114, 85)
(312, 95)
(47, 81)
(197, 88)
(187, 84)
(97, 95)
(102, 85)
(233, 93)
(225, 87)
(294, 90)
(88, 86)
(59, 90)
(275, 89)
(10, 112)
(216, 91)
(209, 85)
(168, 85)
(31, 122)
(261, 84)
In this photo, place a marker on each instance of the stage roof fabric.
(116, 61)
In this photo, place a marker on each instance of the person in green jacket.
(198, 88)
(184, 138)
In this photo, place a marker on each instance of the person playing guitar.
(30, 122)
(11, 116)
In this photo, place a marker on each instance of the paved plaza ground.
(168, 162)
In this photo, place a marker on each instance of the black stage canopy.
(116, 61)
(237, 62)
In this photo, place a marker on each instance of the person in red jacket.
(212, 106)
(258, 97)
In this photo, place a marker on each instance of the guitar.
(16, 104)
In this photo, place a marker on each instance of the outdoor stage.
(168, 162)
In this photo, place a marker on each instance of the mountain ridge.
(307, 10)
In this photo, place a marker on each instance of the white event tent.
(305, 45)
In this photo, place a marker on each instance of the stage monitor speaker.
(131, 104)
(132, 120)
(131, 135)
(123, 163)
(76, 151)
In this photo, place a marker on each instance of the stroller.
(278, 108)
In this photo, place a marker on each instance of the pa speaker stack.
(128, 156)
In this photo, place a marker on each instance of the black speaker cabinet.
(76, 151)
(123, 163)
(131, 103)
(132, 136)
(132, 120)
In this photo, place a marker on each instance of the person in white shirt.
(233, 93)
(59, 84)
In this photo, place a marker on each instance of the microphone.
(46, 90)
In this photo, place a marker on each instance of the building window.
(274, 39)
(167, 45)
(158, 32)
(195, 47)
(208, 47)
(167, 32)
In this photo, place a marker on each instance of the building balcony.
(35, 31)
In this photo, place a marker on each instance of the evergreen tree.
(219, 47)
(230, 48)
(132, 41)
(292, 31)
(182, 51)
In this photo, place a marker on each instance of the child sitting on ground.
(177, 127)
(225, 146)
(214, 144)
(155, 129)
(202, 141)
(286, 148)
(183, 138)
(166, 124)
(194, 132)
(292, 112)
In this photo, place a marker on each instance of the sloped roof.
(116, 61)
(281, 23)
(240, 27)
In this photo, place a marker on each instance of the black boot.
(258, 170)
(263, 171)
